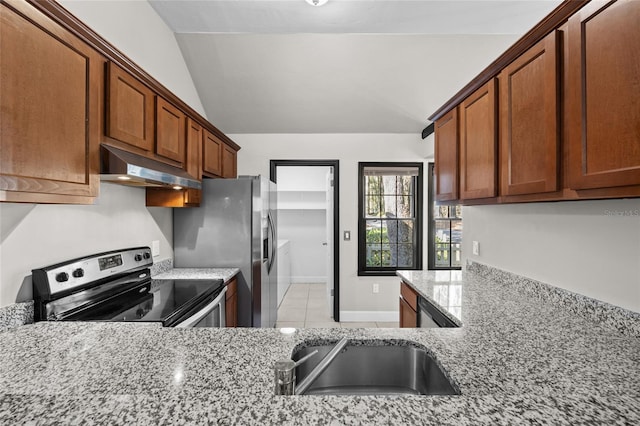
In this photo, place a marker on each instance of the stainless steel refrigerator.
(235, 226)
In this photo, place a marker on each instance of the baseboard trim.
(369, 316)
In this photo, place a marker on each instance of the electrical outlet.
(155, 248)
(376, 288)
(476, 248)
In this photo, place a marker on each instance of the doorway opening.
(308, 221)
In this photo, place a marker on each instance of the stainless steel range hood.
(125, 168)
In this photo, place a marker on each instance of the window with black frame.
(390, 217)
(444, 233)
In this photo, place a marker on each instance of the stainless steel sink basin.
(375, 368)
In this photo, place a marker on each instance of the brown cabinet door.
(478, 143)
(231, 304)
(229, 162)
(51, 110)
(212, 148)
(194, 149)
(170, 131)
(446, 157)
(408, 317)
(603, 95)
(130, 115)
(529, 131)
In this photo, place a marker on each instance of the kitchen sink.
(375, 368)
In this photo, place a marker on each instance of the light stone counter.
(198, 274)
(518, 359)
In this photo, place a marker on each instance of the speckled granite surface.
(620, 319)
(161, 267)
(198, 274)
(16, 315)
(516, 360)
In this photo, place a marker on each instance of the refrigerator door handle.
(272, 237)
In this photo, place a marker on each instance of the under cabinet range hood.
(126, 168)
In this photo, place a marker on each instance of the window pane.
(456, 231)
(389, 206)
(443, 233)
(372, 207)
(389, 255)
(404, 206)
(457, 212)
(456, 255)
(405, 231)
(405, 255)
(442, 256)
(374, 255)
(389, 185)
(373, 231)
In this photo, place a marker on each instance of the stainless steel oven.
(117, 286)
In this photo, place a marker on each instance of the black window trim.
(363, 270)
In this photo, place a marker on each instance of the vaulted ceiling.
(350, 66)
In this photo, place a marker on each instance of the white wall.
(37, 235)
(32, 235)
(355, 292)
(587, 247)
(302, 219)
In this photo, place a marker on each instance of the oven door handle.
(194, 319)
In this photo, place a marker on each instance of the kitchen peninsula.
(517, 358)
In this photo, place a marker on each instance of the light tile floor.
(305, 306)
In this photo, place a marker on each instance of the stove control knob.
(147, 255)
(137, 257)
(62, 277)
(78, 273)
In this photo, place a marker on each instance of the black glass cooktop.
(166, 301)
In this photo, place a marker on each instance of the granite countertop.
(198, 274)
(516, 360)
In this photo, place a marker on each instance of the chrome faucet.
(285, 371)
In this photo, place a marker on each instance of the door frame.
(336, 217)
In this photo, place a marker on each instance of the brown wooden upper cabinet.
(529, 131)
(212, 149)
(446, 157)
(170, 131)
(195, 135)
(603, 95)
(229, 162)
(51, 107)
(478, 144)
(130, 109)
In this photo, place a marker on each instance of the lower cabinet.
(231, 304)
(408, 307)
